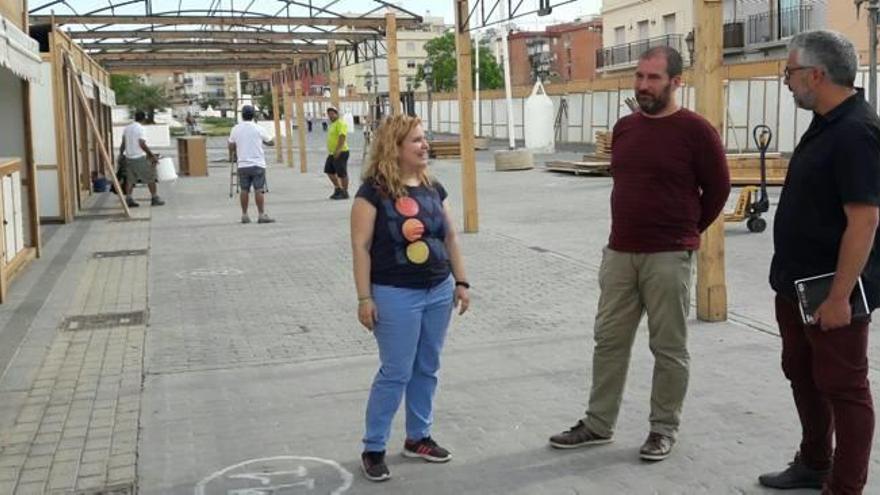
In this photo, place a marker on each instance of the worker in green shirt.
(336, 166)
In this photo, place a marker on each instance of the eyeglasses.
(790, 70)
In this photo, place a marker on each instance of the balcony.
(769, 27)
(734, 35)
(629, 53)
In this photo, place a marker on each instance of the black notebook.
(812, 291)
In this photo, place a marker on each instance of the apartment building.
(753, 29)
(365, 77)
(560, 53)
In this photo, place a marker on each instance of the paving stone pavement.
(252, 373)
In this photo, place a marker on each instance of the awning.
(19, 52)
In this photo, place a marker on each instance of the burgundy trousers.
(828, 372)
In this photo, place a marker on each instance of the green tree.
(131, 91)
(442, 56)
(265, 104)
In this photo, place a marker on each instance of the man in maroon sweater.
(670, 183)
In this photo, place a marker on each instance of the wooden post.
(276, 116)
(708, 85)
(334, 75)
(393, 69)
(29, 166)
(300, 117)
(286, 93)
(466, 118)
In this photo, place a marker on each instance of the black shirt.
(409, 235)
(837, 162)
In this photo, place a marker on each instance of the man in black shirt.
(825, 222)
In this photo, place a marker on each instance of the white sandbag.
(539, 131)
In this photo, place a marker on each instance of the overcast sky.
(442, 8)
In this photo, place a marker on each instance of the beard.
(651, 104)
(807, 101)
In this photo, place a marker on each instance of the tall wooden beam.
(300, 118)
(393, 69)
(245, 47)
(194, 65)
(205, 56)
(276, 115)
(334, 75)
(224, 35)
(708, 85)
(466, 119)
(226, 21)
(287, 93)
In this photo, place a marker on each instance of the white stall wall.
(750, 102)
(45, 143)
(157, 136)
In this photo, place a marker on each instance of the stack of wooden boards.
(744, 167)
(441, 149)
(444, 149)
(597, 163)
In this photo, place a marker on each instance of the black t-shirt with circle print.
(409, 237)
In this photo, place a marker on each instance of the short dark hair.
(140, 116)
(674, 64)
(247, 112)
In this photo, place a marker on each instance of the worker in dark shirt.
(670, 183)
(826, 223)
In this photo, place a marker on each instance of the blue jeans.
(410, 332)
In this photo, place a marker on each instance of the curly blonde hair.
(383, 168)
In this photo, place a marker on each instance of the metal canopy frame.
(223, 33)
(485, 18)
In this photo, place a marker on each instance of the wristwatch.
(462, 283)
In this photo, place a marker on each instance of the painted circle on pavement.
(281, 474)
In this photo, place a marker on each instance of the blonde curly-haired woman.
(409, 276)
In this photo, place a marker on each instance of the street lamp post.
(428, 70)
(689, 41)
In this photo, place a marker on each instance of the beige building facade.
(753, 29)
(632, 26)
(411, 54)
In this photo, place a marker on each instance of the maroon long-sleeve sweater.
(670, 182)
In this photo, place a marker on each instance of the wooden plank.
(276, 117)
(393, 68)
(248, 36)
(61, 119)
(466, 119)
(708, 85)
(286, 93)
(334, 76)
(108, 163)
(226, 21)
(300, 122)
(30, 174)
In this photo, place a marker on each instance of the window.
(669, 24)
(619, 35)
(644, 30)
(410, 64)
(410, 46)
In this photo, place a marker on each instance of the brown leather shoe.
(577, 436)
(657, 447)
